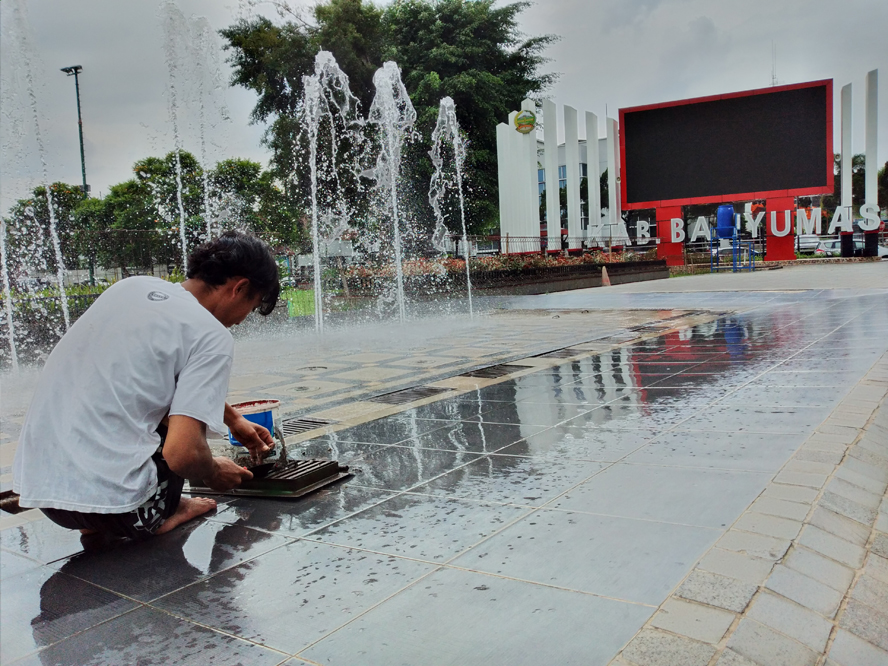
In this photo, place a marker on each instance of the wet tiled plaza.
(539, 519)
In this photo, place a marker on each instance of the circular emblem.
(157, 296)
(525, 121)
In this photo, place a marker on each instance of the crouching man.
(123, 406)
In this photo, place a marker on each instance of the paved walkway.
(711, 493)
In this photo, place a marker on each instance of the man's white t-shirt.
(145, 347)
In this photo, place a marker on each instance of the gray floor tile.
(842, 380)
(578, 443)
(473, 436)
(532, 413)
(421, 526)
(623, 558)
(41, 540)
(670, 494)
(657, 648)
(147, 636)
(147, 569)
(623, 414)
(42, 606)
(526, 480)
(741, 418)
(849, 650)
(389, 430)
(397, 468)
(299, 517)
(293, 596)
(457, 618)
(735, 450)
(681, 397)
(12, 564)
(786, 396)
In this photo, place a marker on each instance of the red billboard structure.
(771, 144)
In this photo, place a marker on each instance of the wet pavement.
(538, 519)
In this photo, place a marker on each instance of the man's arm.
(187, 453)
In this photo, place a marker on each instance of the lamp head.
(73, 69)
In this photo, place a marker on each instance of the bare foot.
(189, 507)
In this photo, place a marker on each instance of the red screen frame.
(734, 196)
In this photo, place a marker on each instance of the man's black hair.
(234, 254)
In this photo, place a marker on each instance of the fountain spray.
(7, 297)
(172, 18)
(447, 128)
(326, 96)
(21, 23)
(393, 112)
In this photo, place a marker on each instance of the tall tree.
(469, 50)
(473, 52)
(29, 227)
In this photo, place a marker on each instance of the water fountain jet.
(393, 112)
(326, 96)
(447, 128)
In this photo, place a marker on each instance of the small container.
(263, 412)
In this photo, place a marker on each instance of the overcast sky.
(617, 53)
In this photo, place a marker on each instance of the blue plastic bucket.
(263, 412)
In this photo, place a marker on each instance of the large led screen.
(775, 140)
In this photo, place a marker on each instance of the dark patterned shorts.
(139, 523)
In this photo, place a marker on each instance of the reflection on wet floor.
(586, 489)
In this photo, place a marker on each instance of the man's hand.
(256, 438)
(227, 474)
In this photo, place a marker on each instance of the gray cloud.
(617, 53)
(621, 13)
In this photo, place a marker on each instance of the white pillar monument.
(553, 205)
(592, 161)
(572, 163)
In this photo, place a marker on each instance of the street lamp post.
(74, 70)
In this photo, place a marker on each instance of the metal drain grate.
(409, 395)
(494, 371)
(567, 352)
(296, 426)
(298, 478)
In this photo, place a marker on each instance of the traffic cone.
(605, 279)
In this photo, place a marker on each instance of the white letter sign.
(806, 226)
(870, 221)
(701, 228)
(787, 227)
(677, 228)
(752, 223)
(643, 232)
(841, 220)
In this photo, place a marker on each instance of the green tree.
(244, 196)
(352, 31)
(271, 60)
(474, 53)
(29, 231)
(471, 51)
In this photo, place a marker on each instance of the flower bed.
(430, 279)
